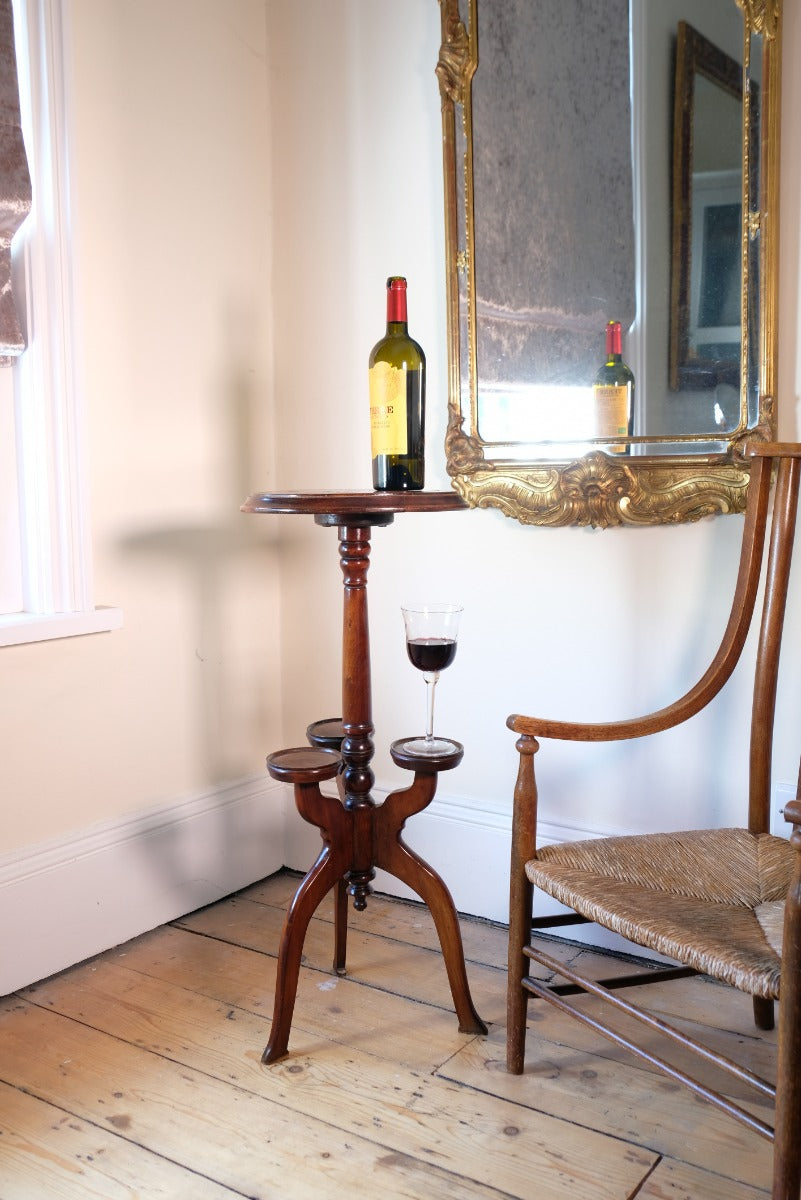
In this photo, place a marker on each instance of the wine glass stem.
(431, 678)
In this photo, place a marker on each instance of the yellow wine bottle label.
(388, 428)
(611, 402)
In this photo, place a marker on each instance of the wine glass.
(431, 631)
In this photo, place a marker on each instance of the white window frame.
(58, 598)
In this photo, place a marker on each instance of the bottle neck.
(396, 305)
(614, 349)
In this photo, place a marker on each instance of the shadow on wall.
(228, 572)
(217, 561)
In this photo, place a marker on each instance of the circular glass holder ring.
(405, 754)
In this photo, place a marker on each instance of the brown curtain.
(15, 183)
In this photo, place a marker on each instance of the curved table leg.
(341, 904)
(340, 926)
(396, 857)
(325, 873)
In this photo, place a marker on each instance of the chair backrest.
(767, 460)
(787, 463)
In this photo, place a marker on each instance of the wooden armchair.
(714, 900)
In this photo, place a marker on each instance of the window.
(49, 558)
(10, 557)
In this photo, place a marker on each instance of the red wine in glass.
(431, 654)
(431, 631)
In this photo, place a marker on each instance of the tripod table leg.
(394, 856)
(340, 926)
(316, 884)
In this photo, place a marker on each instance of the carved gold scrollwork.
(602, 492)
(762, 15)
(454, 54)
(466, 454)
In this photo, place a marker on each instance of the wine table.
(358, 835)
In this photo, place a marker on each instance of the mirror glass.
(706, 320)
(608, 161)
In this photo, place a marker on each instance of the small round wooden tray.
(431, 763)
(303, 764)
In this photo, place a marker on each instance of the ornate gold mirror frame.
(678, 478)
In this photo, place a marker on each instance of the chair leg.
(787, 1145)
(787, 1142)
(524, 843)
(763, 1013)
(516, 998)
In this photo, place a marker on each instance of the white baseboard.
(70, 899)
(468, 845)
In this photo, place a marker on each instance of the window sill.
(18, 628)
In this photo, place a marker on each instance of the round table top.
(352, 504)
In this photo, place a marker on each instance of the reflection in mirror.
(706, 317)
(554, 258)
(558, 155)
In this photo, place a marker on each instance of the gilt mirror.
(609, 161)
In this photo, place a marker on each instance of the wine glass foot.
(432, 747)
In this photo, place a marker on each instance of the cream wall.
(152, 738)
(173, 254)
(247, 173)
(560, 622)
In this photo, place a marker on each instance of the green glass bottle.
(397, 400)
(613, 393)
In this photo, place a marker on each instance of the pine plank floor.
(138, 1074)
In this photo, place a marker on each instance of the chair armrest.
(728, 653)
(792, 811)
(605, 731)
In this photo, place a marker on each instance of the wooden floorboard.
(138, 1074)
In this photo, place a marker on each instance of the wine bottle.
(397, 400)
(613, 393)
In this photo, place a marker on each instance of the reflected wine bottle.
(613, 394)
(397, 400)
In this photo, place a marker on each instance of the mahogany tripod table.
(358, 835)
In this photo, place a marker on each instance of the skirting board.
(68, 900)
(468, 844)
